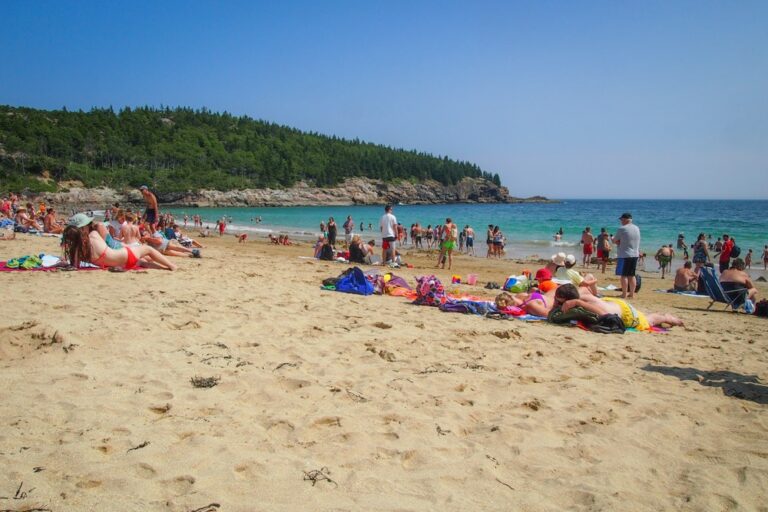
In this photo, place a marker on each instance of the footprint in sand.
(88, 484)
(327, 421)
(190, 324)
(181, 484)
(294, 384)
(160, 409)
(387, 356)
(533, 405)
(144, 470)
(249, 471)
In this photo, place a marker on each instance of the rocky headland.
(353, 191)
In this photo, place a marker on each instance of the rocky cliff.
(352, 191)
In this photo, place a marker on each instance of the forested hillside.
(184, 149)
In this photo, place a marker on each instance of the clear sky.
(567, 99)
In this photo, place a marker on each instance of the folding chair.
(732, 298)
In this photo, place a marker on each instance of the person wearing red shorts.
(588, 241)
(603, 243)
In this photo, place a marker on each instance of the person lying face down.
(82, 242)
(567, 296)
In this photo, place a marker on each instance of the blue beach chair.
(733, 298)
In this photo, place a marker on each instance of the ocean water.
(529, 228)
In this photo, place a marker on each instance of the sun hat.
(543, 274)
(626, 215)
(571, 259)
(559, 259)
(80, 220)
(21, 209)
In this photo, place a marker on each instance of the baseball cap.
(80, 220)
(626, 215)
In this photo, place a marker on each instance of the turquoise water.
(528, 227)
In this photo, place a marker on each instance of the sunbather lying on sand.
(168, 247)
(567, 297)
(82, 242)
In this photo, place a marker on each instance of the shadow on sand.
(744, 387)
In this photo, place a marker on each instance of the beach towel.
(688, 293)
(5, 268)
(429, 291)
(474, 307)
(354, 281)
(25, 262)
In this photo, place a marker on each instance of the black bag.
(638, 282)
(326, 253)
(761, 308)
(556, 316)
(609, 324)
(735, 251)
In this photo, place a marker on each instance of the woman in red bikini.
(82, 242)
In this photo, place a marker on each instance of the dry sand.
(389, 406)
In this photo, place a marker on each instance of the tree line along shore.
(180, 149)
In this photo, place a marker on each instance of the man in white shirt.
(388, 227)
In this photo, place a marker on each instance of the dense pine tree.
(184, 149)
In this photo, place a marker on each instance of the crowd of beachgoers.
(559, 283)
(127, 239)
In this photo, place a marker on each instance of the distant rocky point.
(353, 191)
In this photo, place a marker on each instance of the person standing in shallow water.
(588, 242)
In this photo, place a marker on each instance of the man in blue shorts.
(627, 239)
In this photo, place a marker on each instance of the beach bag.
(326, 253)
(557, 316)
(761, 308)
(354, 281)
(638, 282)
(608, 324)
(735, 251)
(517, 284)
(429, 291)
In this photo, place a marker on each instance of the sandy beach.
(330, 401)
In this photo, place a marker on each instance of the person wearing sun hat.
(627, 239)
(567, 274)
(25, 221)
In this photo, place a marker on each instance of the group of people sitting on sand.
(126, 241)
(26, 219)
(280, 239)
(558, 284)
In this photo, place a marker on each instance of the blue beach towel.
(354, 282)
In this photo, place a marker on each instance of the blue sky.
(610, 99)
